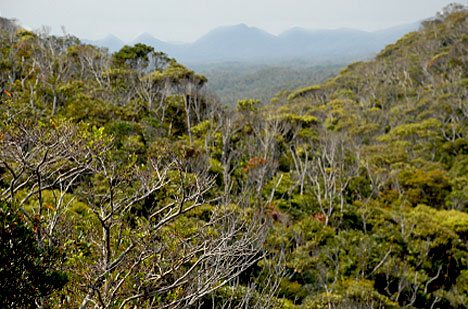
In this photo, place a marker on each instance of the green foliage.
(248, 105)
(425, 187)
(402, 221)
(304, 121)
(352, 193)
(28, 269)
(458, 179)
(351, 293)
(303, 92)
(129, 54)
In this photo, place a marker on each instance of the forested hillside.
(235, 81)
(125, 185)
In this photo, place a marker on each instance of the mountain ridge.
(242, 42)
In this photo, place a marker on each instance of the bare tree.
(194, 265)
(329, 173)
(43, 157)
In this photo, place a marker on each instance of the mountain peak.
(146, 38)
(145, 35)
(112, 37)
(242, 26)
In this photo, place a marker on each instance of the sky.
(187, 20)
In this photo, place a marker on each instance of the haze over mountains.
(243, 43)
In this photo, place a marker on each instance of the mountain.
(339, 42)
(390, 35)
(239, 42)
(110, 42)
(302, 42)
(243, 43)
(148, 39)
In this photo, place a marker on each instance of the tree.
(330, 171)
(28, 269)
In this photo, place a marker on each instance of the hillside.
(233, 81)
(123, 183)
(380, 160)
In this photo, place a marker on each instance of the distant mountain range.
(244, 43)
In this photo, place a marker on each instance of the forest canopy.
(124, 183)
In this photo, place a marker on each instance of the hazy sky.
(186, 20)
